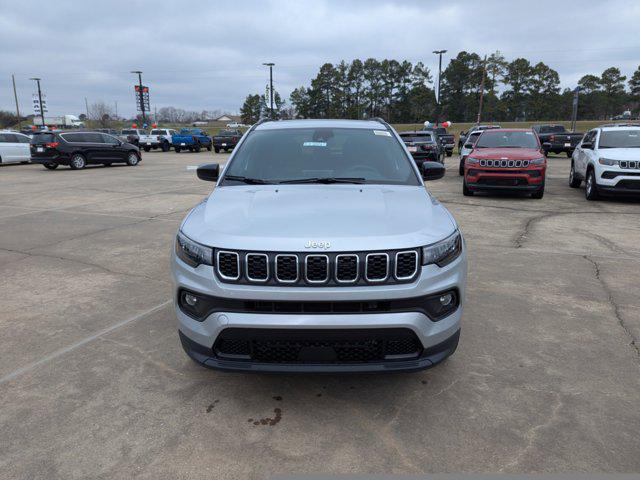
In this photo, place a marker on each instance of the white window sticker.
(314, 144)
(384, 133)
(529, 133)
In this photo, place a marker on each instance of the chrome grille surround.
(237, 257)
(415, 270)
(367, 264)
(247, 266)
(306, 268)
(347, 255)
(504, 163)
(277, 262)
(630, 164)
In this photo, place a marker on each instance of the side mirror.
(432, 171)
(587, 145)
(468, 145)
(208, 172)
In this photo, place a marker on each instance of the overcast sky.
(208, 55)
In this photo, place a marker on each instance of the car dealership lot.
(93, 381)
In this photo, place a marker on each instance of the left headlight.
(538, 161)
(444, 252)
(192, 253)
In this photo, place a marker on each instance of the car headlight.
(472, 161)
(608, 162)
(538, 161)
(192, 253)
(444, 252)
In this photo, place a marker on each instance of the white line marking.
(192, 167)
(84, 341)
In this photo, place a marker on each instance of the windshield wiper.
(327, 180)
(250, 181)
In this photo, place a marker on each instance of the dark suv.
(77, 149)
(423, 145)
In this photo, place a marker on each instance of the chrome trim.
(630, 164)
(395, 269)
(246, 266)
(218, 264)
(504, 163)
(306, 275)
(297, 267)
(366, 267)
(357, 267)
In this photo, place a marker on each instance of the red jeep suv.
(506, 160)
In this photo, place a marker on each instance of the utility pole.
(484, 74)
(141, 97)
(15, 95)
(86, 106)
(37, 80)
(574, 111)
(116, 110)
(270, 65)
(439, 53)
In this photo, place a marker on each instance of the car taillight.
(235, 139)
(52, 144)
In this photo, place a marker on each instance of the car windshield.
(620, 139)
(417, 138)
(321, 155)
(507, 139)
(473, 137)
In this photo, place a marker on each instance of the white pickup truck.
(158, 138)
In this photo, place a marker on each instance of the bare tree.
(101, 113)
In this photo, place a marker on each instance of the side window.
(11, 138)
(73, 137)
(109, 139)
(93, 137)
(4, 138)
(23, 139)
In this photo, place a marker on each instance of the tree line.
(403, 92)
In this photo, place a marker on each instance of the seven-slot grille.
(504, 163)
(315, 269)
(629, 164)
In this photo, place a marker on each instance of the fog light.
(190, 300)
(446, 299)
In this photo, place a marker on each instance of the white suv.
(608, 160)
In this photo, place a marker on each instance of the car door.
(8, 148)
(579, 158)
(96, 150)
(23, 148)
(113, 148)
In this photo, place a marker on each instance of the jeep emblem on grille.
(312, 244)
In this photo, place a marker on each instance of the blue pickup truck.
(192, 139)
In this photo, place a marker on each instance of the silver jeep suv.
(319, 250)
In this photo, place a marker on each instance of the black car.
(424, 145)
(226, 140)
(78, 149)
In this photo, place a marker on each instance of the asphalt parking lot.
(94, 383)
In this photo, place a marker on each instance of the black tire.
(197, 147)
(574, 181)
(449, 153)
(569, 154)
(538, 194)
(461, 167)
(216, 149)
(133, 159)
(147, 149)
(591, 187)
(165, 146)
(50, 166)
(209, 147)
(177, 149)
(191, 149)
(77, 162)
(465, 190)
(107, 164)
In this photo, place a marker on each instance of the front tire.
(197, 148)
(574, 181)
(177, 149)
(165, 146)
(461, 167)
(132, 159)
(569, 154)
(591, 188)
(449, 153)
(538, 194)
(77, 162)
(147, 149)
(209, 148)
(216, 149)
(50, 166)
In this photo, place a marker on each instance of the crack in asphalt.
(522, 236)
(614, 304)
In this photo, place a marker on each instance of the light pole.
(439, 53)
(270, 65)
(141, 96)
(37, 80)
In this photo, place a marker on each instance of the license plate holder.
(40, 149)
(413, 149)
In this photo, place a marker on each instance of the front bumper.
(615, 181)
(438, 339)
(499, 179)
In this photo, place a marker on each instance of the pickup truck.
(447, 140)
(556, 139)
(161, 138)
(192, 139)
(131, 135)
(226, 140)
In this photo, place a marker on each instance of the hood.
(506, 153)
(349, 217)
(620, 153)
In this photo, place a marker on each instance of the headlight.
(192, 253)
(443, 252)
(538, 161)
(472, 161)
(608, 162)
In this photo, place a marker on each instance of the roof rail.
(382, 121)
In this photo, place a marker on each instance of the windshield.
(507, 139)
(289, 155)
(417, 138)
(552, 129)
(620, 139)
(473, 137)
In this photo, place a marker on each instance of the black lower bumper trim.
(430, 357)
(514, 188)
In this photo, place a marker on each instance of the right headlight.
(193, 253)
(444, 252)
(608, 161)
(471, 161)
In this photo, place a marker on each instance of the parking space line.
(84, 341)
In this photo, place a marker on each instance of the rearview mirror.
(432, 171)
(208, 172)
